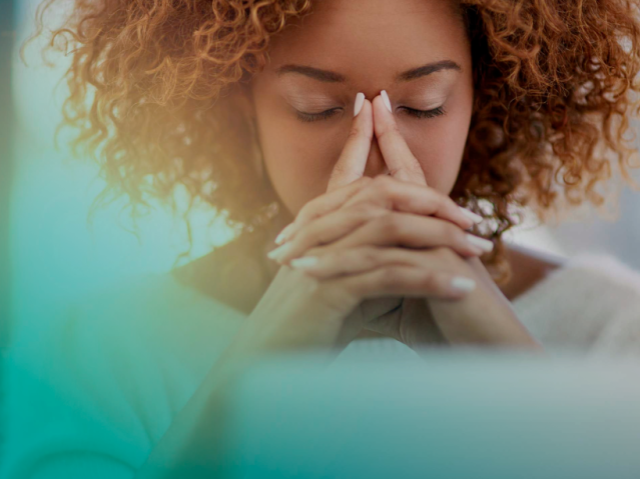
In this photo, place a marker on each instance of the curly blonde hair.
(553, 95)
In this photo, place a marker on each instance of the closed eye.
(424, 113)
(310, 117)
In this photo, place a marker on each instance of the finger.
(353, 159)
(406, 281)
(406, 197)
(397, 155)
(339, 231)
(321, 206)
(386, 192)
(410, 231)
(327, 229)
(355, 260)
(347, 171)
(366, 258)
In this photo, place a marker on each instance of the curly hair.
(554, 89)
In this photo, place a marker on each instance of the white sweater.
(91, 394)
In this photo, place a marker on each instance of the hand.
(346, 181)
(407, 251)
(334, 227)
(385, 315)
(344, 185)
(298, 311)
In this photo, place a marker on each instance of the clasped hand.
(403, 233)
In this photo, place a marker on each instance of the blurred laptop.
(455, 414)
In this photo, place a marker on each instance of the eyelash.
(425, 113)
(311, 117)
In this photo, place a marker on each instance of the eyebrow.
(329, 76)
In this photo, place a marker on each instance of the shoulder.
(528, 268)
(234, 274)
(584, 273)
(150, 314)
(587, 301)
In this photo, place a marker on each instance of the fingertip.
(475, 218)
(377, 104)
(460, 215)
(383, 119)
(461, 285)
(359, 102)
(386, 100)
(285, 234)
(365, 118)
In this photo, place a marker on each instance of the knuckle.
(302, 235)
(306, 210)
(392, 225)
(445, 254)
(429, 281)
(365, 210)
(440, 201)
(370, 255)
(452, 234)
(387, 187)
(383, 183)
(364, 180)
(390, 277)
(313, 252)
(306, 238)
(361, 208)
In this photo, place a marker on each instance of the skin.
(343, 36)
(342, 41)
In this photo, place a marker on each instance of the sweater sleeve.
(590, 305)
(91, 393)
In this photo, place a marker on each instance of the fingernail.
(463, 284)
(471, 215)
(304, 262)
(358, 105)
(484, 244)
(280, 251)
(283, 234)
(385, 99)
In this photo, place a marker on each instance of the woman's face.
(319, 64)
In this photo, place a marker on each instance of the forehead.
(371, 40)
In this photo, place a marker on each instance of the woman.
(395, 137)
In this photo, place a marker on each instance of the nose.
(375, 162)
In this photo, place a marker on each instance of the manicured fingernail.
(471, 215)
(484, 244)
(463, 284)
(304, 262)
(358, 105)
(283, 234)
(280, 251)
(385, 99)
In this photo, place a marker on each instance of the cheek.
(296, 159)
(439, 152)
(439, 146)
